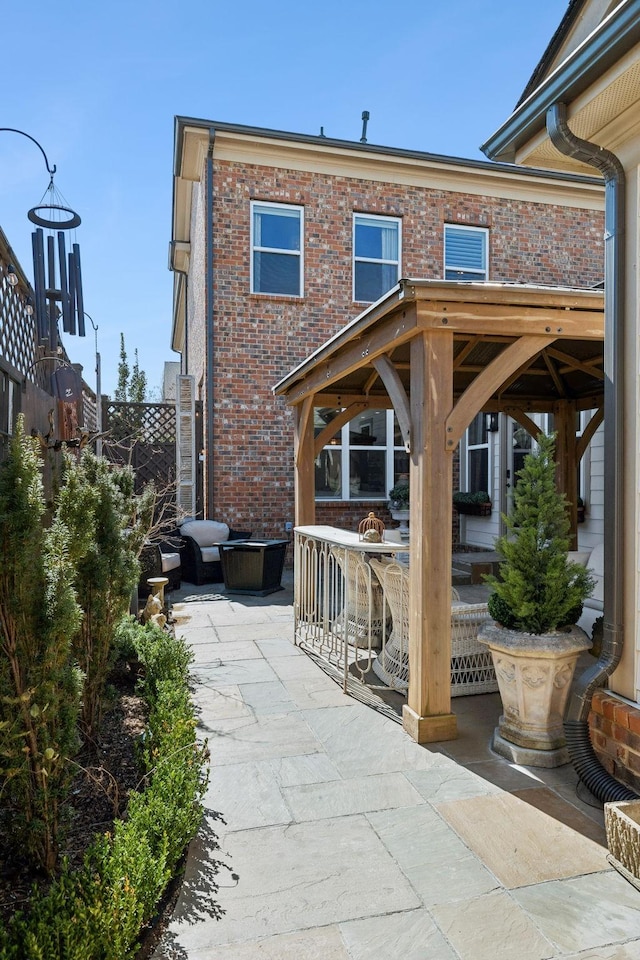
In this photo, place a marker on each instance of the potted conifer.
(535, 604)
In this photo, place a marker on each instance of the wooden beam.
(572, 363)
(337, 423)
(427, 714)
(394, 386)
(305, 492)
(588, 432)
(387, 334)
(479, 318)
(511, 359)
(533, 429)
(466, 350)
(559, 385)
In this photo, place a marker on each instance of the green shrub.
(39, 683)
(98, 912)
(108, 523)
(539, 588)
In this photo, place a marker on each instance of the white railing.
(340, 611)
(351, 609)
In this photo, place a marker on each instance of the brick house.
(278, 240)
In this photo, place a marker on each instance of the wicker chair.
(160, 560)
(471, 664)
(363, 599)
(200, 549)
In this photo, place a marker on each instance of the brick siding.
(614, 727)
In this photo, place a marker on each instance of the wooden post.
(305, 492)
(564, 415)
(427, 715)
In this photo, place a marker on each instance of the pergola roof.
(486, 319)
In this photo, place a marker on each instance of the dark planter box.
(253, 566)
(474, 509)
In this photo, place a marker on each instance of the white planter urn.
(534, 673)
(402, 516)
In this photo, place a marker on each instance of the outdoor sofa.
(199, 550)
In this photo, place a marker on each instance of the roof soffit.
(606, 113)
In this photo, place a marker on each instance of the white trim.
(269, 204)
(398, 262)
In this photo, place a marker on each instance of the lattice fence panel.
(143, 436)
(17, 334)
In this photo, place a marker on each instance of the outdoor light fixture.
(491, 422)
(28, 306)
(12, 276)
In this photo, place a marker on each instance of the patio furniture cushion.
(205, 532)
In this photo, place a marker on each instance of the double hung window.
(466, 252)
(276, 249)
(376, 256)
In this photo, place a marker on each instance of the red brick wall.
(259, 338)
(614, 727)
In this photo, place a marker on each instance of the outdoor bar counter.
(339, 606)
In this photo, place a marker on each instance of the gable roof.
(555, 44)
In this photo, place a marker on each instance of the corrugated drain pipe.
(603, 786)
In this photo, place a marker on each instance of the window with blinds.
(466, 252)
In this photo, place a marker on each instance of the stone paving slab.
(491, 927)
(520, 844)
(583, 912)
(410, 935)
(300, 876)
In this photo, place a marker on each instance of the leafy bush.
(98, 912)
(399, 495)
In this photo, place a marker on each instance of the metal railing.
(340, 611)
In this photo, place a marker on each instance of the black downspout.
(209, 320)
(603, 786)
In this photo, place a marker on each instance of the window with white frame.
(466, 252)
(478, 454)
(276, 248)
(363, 460)
(376, 255)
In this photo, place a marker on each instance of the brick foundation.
(614, 727)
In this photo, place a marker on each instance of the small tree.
(109, 524)
(539, 588)
(122, 389)
(138, 384)
(39, 684)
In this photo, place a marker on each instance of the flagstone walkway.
(342, 839)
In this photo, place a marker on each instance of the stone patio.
(350, 841)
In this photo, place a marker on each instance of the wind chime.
(57, 273)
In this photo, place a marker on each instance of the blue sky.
(98, 85)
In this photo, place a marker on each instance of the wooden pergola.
(440, 352)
